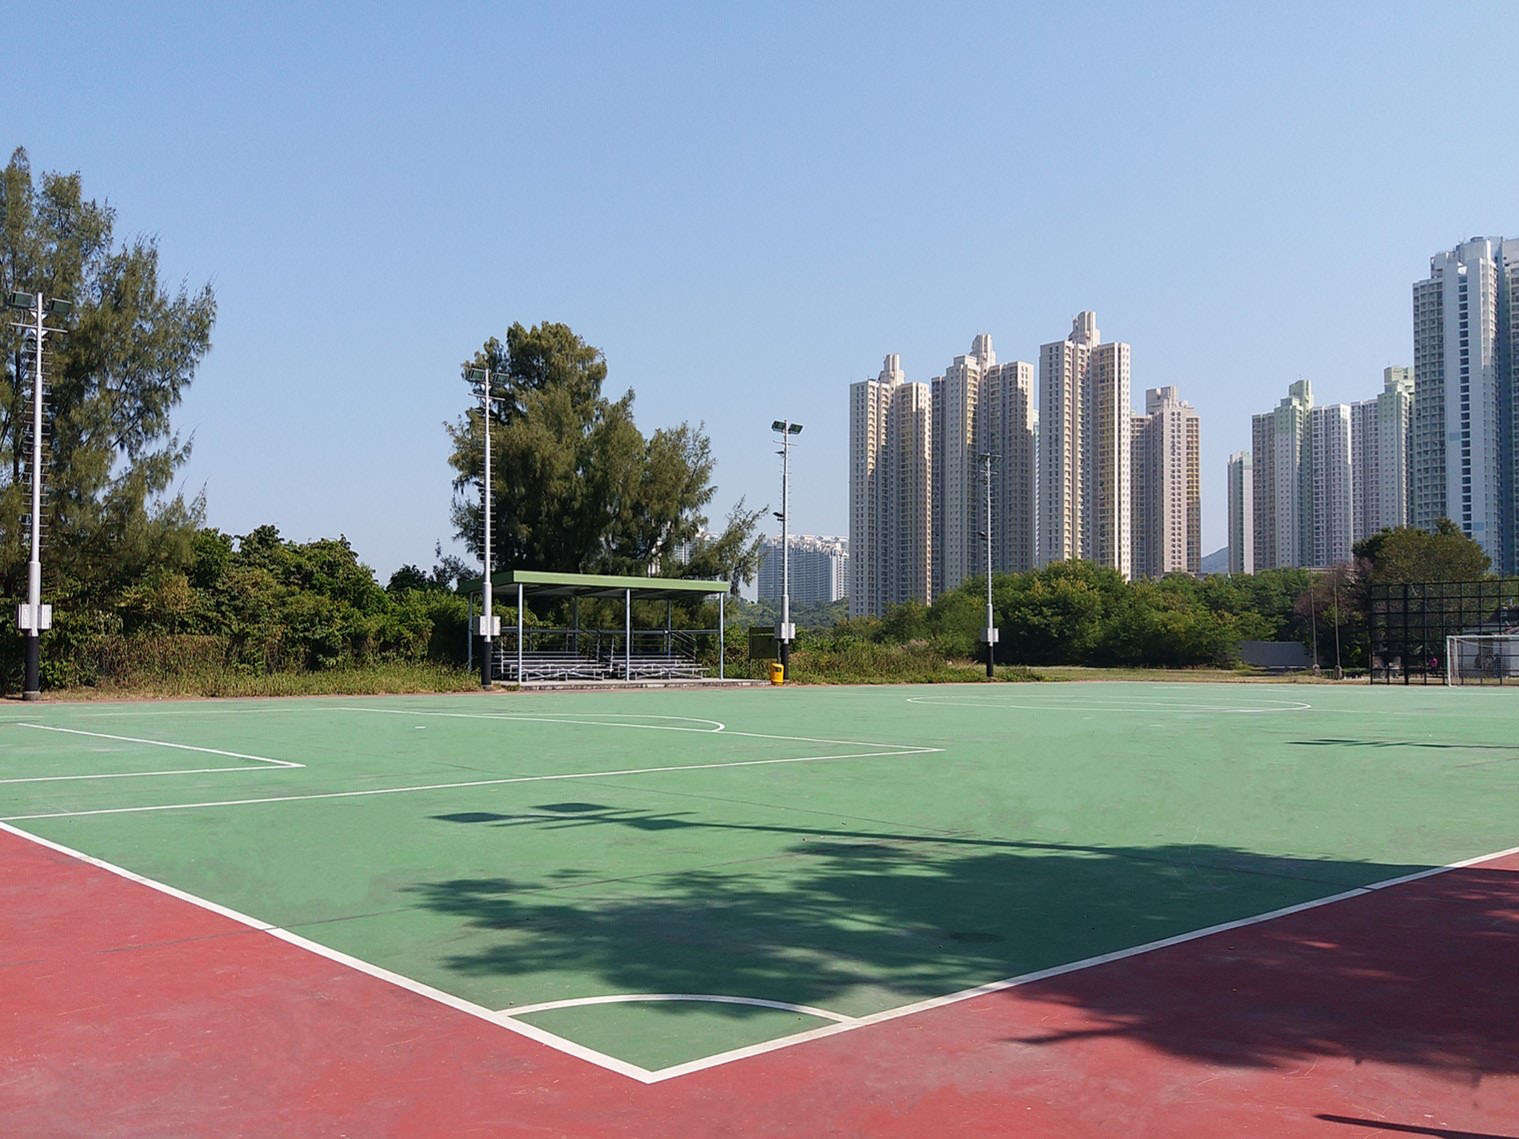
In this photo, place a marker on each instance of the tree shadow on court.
(857, 920)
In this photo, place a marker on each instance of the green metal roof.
(539, 583)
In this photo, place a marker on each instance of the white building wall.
(889, 491)
(1166, 486)
(1107, 505)
(1464, 451)
(1005, 425)
(1282, 511)
(1062, 372)
(1333, 502)
(1379, 453)
(957, 477)
(819, 569)
(1241, 489)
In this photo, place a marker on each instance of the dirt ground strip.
(129, 1012)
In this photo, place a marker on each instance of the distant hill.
(1216, 562)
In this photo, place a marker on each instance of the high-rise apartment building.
(1282, 457)
(982, 408)
(957, 473)
(1380, 441)
(1006, 425)
(1333, 510)
(890, 491)
(1466, 343)
(1084, 444)
(1241, 513)
(819, 570)
(1166, 486)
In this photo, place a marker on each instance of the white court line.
(717, 725)
(278, 763)
(710, 998)
(611, 1063)
(1108, 704)
(904, 749)
(1057, 971)
(646, 1076)
(473, 783)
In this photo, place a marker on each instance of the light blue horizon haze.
(747, 207)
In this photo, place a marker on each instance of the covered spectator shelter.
(571, 652)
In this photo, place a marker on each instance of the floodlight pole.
(784, 633)
(991, 621)
(482, 376)
(34, 617)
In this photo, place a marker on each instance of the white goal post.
(1482, 658)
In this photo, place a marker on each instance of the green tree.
(1409, 554)
(576, 486)
(129, 350)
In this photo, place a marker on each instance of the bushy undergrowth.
(849, 661)
(215, 681)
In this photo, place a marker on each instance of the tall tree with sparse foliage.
(576, 485)
(128, 351)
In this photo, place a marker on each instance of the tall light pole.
(990, 635)
(34, 617)
(490, 625)
(784, 631)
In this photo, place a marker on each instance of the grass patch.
(207, 681)
(869, 662)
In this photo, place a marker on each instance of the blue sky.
(747, 207)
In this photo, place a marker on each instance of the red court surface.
(130, 1012)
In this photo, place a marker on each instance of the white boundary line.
(720, 728)
(1109, 704)
(611, 1063)
(475, 783)
(275, 763)
(717, 725)
(1057, 971)
(896, 750)
(643, 1075)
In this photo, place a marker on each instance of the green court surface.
(815, 858)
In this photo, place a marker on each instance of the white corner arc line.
(710, 998)
(164, 743)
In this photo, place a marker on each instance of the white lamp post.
(34, 617)
(490, 625)
(990, 635)
(784, 631)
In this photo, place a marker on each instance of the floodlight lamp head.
(777, 425)
(476, 375)
(19, 300)
(794, 428)
(60, 307)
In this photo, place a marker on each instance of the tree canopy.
(576, 486)
(127, 353)
(1410, 554)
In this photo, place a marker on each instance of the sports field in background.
(659, 883)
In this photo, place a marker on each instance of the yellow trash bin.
(777, 672)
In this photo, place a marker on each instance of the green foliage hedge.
(237, 609)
